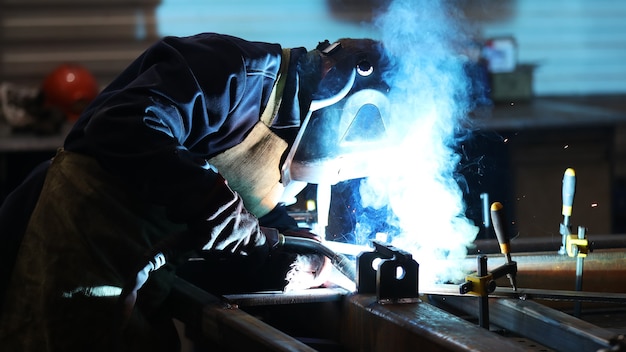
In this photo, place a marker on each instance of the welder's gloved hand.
(227, 226)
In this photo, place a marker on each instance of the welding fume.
(413, 200)
(183, 165)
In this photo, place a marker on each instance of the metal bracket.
(389, 272)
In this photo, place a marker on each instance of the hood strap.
(276, 96)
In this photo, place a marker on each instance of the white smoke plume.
(430, 100)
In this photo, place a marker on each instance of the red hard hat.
(69, 88)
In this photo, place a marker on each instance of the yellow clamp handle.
(580, 243)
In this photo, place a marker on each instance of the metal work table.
(553, 112)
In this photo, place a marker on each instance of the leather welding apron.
(85, 235)
(253, 166)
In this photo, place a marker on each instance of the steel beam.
(370, 326)
(217, 326)
(547, 326)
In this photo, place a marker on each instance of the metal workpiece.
(235, 330)
(368, 326)
(405, 317)
(334, 322)
(536, 294)
(395, 277)
(333, 319)
(551, 328)
(213, 324)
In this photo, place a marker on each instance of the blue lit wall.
(288, 22)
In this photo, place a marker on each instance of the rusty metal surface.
(550, 327)
(370, 326)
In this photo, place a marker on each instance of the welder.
(192, 150)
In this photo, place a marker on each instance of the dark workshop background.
(570, 54)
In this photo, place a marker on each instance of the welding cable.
(339, 261)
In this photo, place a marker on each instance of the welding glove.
(227, 225)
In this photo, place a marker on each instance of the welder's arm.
(155, 162)
(226, 224)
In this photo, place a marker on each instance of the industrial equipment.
(522, 301)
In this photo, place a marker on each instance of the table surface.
(552, 112)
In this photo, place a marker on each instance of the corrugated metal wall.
(104, 35)
(578, 45)
(289, 22)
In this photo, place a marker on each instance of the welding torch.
(299, 244)
(502, 234)
(569, 189)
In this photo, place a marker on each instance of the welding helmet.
(348, 117)
(69, 88)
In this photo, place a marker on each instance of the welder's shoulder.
(227, 52)
(221, 45)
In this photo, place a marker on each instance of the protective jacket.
(142, 165)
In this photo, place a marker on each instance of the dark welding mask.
(347, 125)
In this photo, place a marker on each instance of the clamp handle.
(499, 226)
(569, 189)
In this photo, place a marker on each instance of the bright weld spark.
(593, 205)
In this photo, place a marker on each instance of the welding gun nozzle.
(513, 281)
